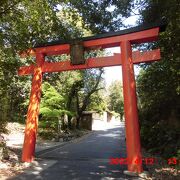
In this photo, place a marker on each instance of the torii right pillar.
(130, 108)
(133, 143)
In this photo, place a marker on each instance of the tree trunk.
(86, 100)
(69, 122)
(78, 123)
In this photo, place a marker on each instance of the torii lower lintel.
(116, 60)
(127, 58)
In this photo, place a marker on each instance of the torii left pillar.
(33, 111)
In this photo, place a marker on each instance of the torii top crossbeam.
(124, 39)
(134, 35)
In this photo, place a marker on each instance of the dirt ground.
(11, 163)
(160, 170)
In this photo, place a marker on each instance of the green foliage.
(46, 132)
(89, 93)
(98, 102)
(26, 23)
(23, 24)
(52, 102)
(101, 16)
(115, 98)
(52, 108)
(158, 84)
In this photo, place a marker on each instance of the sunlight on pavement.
(102, 125)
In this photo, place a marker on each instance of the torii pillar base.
(144, 174)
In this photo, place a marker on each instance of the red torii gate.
(124, 39)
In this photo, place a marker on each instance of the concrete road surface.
(88, 158)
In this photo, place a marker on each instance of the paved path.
(86, 159)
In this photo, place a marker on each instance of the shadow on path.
(86, 159)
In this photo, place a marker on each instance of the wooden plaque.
(77, 53)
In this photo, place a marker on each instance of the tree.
(115, 98)
(158, 85)
(52, 102)
(91, 80)
(24, 24)
(101, 16)
(21, 26)
(53, 107)
(80, 91)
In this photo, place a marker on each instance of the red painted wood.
(33, 112)
(147, 56)
(133, 145)
(126, 59)
(137, 37)
(115, 60)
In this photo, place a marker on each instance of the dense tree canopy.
(25, 23)
(158, 83)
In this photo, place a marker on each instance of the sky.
(115, 72)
